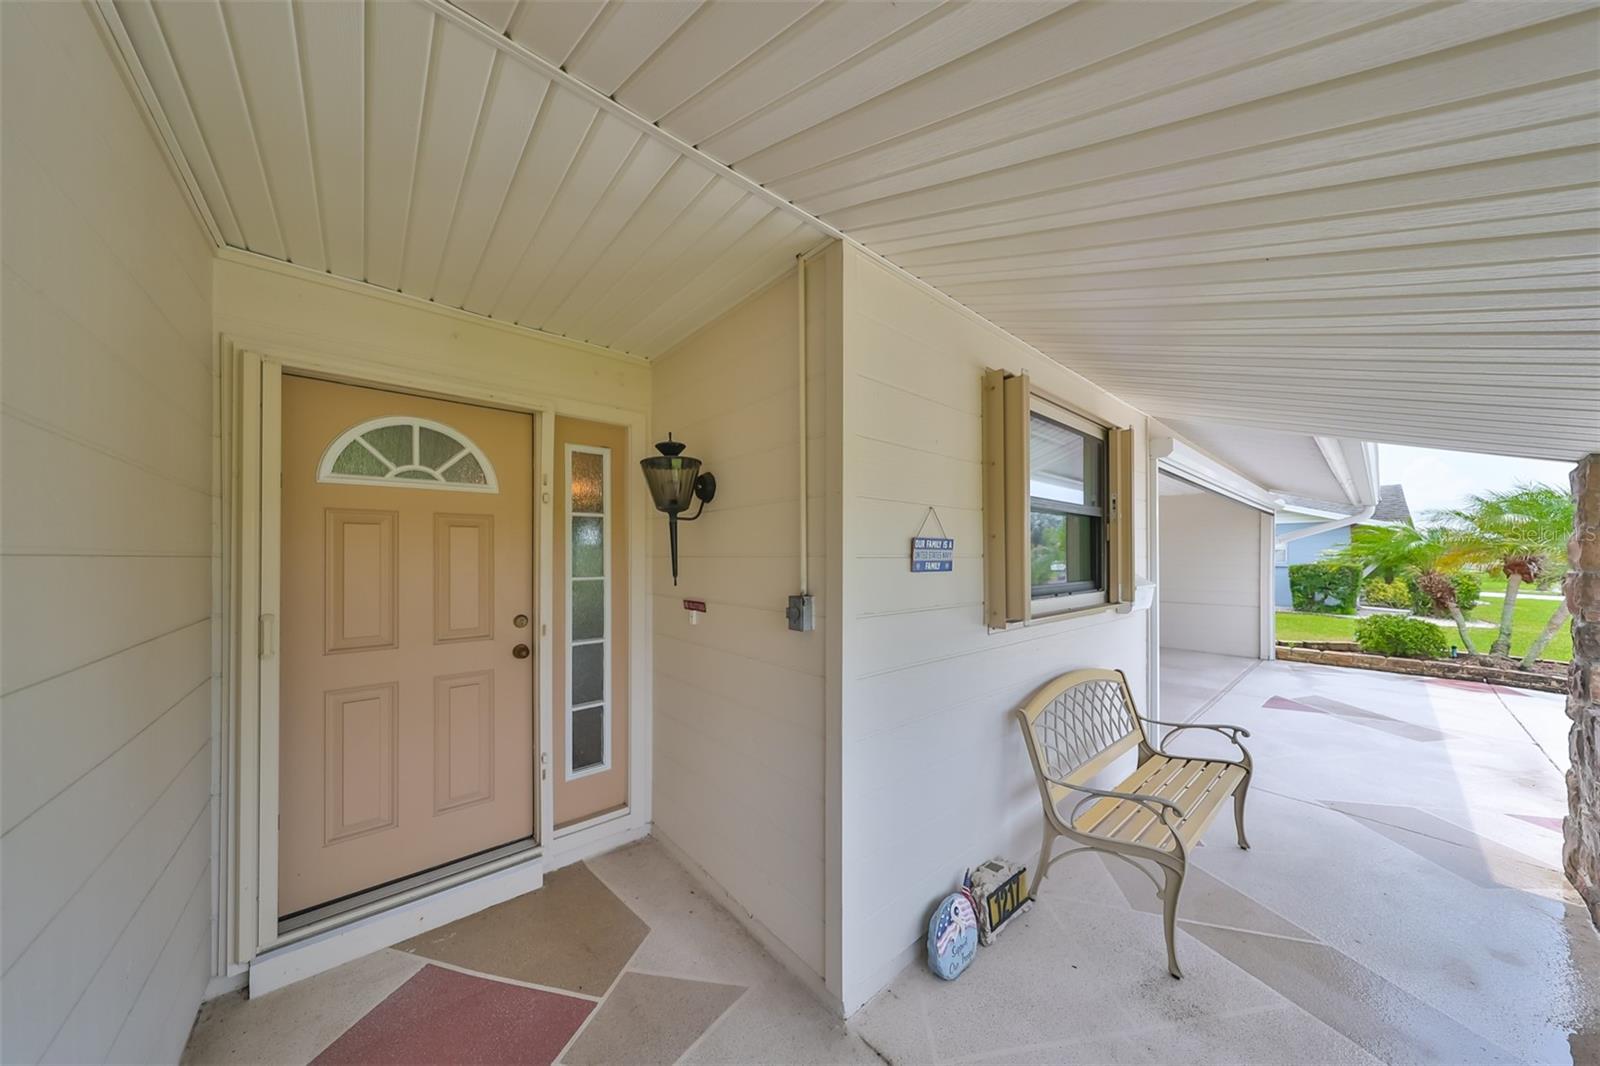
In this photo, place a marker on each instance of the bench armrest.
(1232, 732)
(1154, 804)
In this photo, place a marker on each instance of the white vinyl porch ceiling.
(1359, 219)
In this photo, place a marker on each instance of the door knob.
(521, 651)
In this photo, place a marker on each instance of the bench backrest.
(1078, 724)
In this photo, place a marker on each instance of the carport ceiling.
(1357, 219)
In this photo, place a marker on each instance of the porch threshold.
(337, 939)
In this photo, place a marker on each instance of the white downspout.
(805, 480)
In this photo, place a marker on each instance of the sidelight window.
(588, 589)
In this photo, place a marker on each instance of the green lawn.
(1295, 626)
(1497, 583)
(1528, 620)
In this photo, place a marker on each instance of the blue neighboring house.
(1299, 512)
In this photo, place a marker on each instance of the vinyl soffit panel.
(1211, 209)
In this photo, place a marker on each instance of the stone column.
(1581, 851)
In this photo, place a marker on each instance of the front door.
(591, 631)
(407, 709)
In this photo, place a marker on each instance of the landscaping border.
(1348, 654)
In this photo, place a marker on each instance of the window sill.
(1068, 614)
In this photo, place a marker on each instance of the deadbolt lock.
(520, 621)
(521, 651)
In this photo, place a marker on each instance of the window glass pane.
(588, 673)
(434, 449)
(588, 737)
(417, 475)
(392, 442)
(466, 471)
(1065, 552)
(587, 547)
(1064, 465)
(357, 461)
(588, 609)
(588, 486)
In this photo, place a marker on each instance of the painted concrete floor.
(1401, 903)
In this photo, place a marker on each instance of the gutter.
(1324, 527)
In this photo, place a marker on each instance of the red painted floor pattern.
(443, 1016)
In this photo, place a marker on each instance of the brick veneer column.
(1582, 588)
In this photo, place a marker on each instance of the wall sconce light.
(675, 479)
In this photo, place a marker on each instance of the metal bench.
(1079, 724)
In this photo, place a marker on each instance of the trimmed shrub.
(1414, 638)
(1329, 588)
(1468, 591)
(1380, 593)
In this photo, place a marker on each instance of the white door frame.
(245, 726)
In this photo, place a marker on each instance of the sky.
(1436, 479)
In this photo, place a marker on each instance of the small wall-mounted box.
(1144, 594)
(801, 613)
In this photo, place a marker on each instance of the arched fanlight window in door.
(403, 452)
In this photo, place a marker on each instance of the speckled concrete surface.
(1400, 903)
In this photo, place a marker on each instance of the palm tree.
(1387, 551)
(1390, 551)
(1521, 532)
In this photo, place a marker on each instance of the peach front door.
(407, 716)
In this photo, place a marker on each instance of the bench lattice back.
(1082, 721)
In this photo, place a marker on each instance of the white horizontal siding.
(1210, 587)
(738, 697)
(935, 776)
(105, 557)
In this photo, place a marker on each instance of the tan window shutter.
(1119, 529)
(994, 498)
(1005, 500)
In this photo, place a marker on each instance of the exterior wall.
(1210, 587)
(1581, 585)
(1304, 550)
(934, 774)
(107, 541)
(304, 317)
(738, 696)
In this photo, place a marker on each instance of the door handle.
(521, 651)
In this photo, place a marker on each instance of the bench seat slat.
(1145, 779)
(1197, 786)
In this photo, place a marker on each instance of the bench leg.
(1238, 811)
(1044, 862)
(1169, 915)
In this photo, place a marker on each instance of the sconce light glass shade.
(671, 477)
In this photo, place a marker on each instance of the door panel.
(406, 720)
(590, 672)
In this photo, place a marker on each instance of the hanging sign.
(932, 555)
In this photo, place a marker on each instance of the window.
(408, 453)
(588, 582)
(1058, 523)
(1066, 510)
